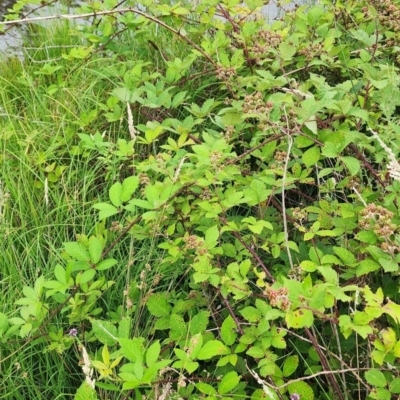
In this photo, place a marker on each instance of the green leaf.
(199, 322)
(286, 51)
(3, 323)
(311, 156)
(115, 194)
(394, 386)
(228, 331)
(205, 388)
(142, 203)
(314, 15)
(290, 365)
(105, 332)
(352, 164)
(86, 276)
(211, 349)
(158, 305)
(393, 310)
(152, 353)
(251, 314)
(345, 255)
(375, 378)
(85, 392)
(368, 237)
(300, 318)
(255, 352)
(132, 349)
(194, 346)
(95, 249)
(228, 382)
(77, 251)
(178, 327)
(366, 266)
(106, 210)
(129, 186)
(124, 327)
(303, 389)
(59, 273)
(211, 238)
(106, 264)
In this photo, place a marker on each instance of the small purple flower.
(73, 332)
(295, 396)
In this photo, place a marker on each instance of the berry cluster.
(312, 50)
(264, 41)
(229, 130)
(388, 13)
(224, 73)
(215, 157)
(379, 219)
(280, 156)
(254, 104)
(278, 298)
(193, 242)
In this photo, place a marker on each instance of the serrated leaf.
(132, 349)
(105, 355)
(311, 156)
(300, 318)
(142, 203)
(211, 238)
(394, 386)
(76, 250)
(290, 365)
(106, 210)
(212, 349)
(95, 249)
(352, 164)
(255, 352)
(59, 273)
(228, 382)
(228, 331)
(251, 314)
(115, 194)
(205, 388)
(152, 353)
(158, 305)
(375, 378)
(129, 186)
(178, 327)
(286, 51)
(124, 327)
(345, 255)
(106, 264)
(85, 392)
(303, 389)
(199, 322)
(86, 276)
(105, 332)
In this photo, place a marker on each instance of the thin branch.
(285, 227)
(325, 364)
(253, 253)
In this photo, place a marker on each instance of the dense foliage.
(231, 190)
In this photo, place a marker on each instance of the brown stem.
(253, 253)
(325, 364)
(367, 165)
(228, 306)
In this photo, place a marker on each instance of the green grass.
(39, 128)
(41, 116)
